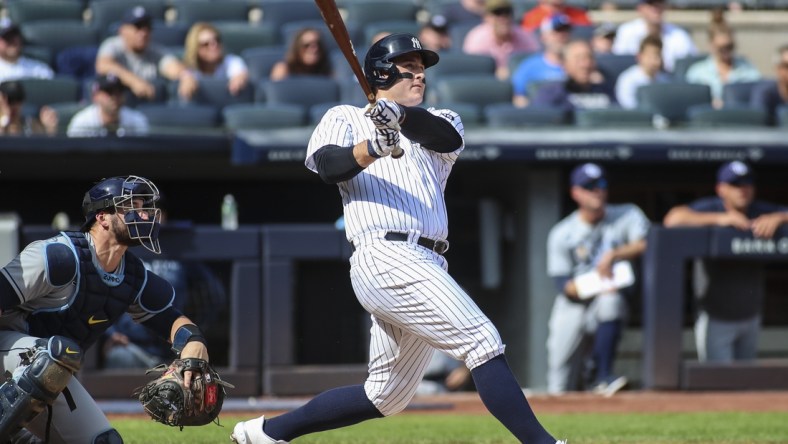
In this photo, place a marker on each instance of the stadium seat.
(369, 11)
(271, 116)
(782, 116)
(517, 58)
(612, 118)
(315, 113)
(289, 30)
(65, 111)
(279, 12)
(213, 92)
(190, 11)
(350, 92)
(174, 119)
(302, 90)
(40, 53)
(105, 13)
(705, 116)
(78, 62)
(58, 34)
(683, 64)
(341, 69)
(504, 115)
(457, 32)
(470, 114)
(612, 65)
(479, 90)
(29, 11)
(583, 32)
(738, 94)
(672, 100)
(460, 63)
(261, 60)
(39, 92)
(391, 26)
(237, 37)
(160, 95)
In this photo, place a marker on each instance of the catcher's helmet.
(378, 68)
(117, 194)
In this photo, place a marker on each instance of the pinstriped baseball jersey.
(415, 305)
(391, 194)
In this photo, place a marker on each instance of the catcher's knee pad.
(111, 436)
(52, 363)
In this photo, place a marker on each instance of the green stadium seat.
(705, 117)
(503, 115)
(29, 11)
(255, 116)
(613, 118)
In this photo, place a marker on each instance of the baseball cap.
(558, 22)
(7, 27)
(736, 173)
(439, 23)
(109, 83)
(495, 6)
(13, 91)
(606, 29)
(588, 175)
(137, 15)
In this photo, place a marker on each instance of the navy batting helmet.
(117, 194)
(378, 68)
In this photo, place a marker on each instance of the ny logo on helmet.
(416, 43)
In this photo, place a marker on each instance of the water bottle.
(229, 213)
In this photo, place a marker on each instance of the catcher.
(59, 295)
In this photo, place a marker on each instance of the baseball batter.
(396, 222)
(59, 295)
(593, 237)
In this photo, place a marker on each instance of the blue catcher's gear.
(378, 67)
(133, 197)
(52, 363)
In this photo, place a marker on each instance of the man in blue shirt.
(544, 66)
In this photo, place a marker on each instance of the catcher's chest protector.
(95, 306)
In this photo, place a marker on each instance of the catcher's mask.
(133, 197)
(378, 66)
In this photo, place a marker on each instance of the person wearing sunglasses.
(586, 323)
(132, 57)
(722, 66)
(205, 57)
(306, 55)
(13, 65)
(771, 95)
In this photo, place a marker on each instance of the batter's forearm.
(432, 132)
(337, 164)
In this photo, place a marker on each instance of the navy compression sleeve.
(162, 322)
(432, 132)
(8, 297)
(336, 164)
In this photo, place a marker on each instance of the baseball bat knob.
(397, 152)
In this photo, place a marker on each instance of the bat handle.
(397, 152)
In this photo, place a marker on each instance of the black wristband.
(371, 150)
(185, 334)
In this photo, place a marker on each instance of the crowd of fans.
(552, 56)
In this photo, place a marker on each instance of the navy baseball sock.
(331, 409)
(503, 397)
(605, 344)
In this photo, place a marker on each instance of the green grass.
(636, 428)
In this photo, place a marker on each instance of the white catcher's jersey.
(391, 194)
(28, 276)
(575, 247)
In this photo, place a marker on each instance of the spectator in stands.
(587, 321)
(107, 116)
(533, 19)
(647, 70)
(434, 34)
(769, 96)
(13, 65)
(584, 88)
(603, 38)
(676, 42)
(722, 66)
(464, 11)
(545, 66)
(205, 57)
(497, 36)
(13, 122)
(137, 62)
(729, 293)
(307, 55)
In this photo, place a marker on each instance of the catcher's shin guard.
(52, 363)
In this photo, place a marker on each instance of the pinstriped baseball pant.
(415, 306)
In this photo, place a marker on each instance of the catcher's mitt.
(169, 402)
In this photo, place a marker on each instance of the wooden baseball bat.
(330, 12)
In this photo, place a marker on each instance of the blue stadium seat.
(29, 11)
(261, 60)
(174, 119)
(704, 116)
(683, 64)
(316, 112)
(350, 92)
(190, 11)
(270, 116)
(457, 32)
(738, 94)
(460, 63)
(341, 69)
(39, 92)
(503, 115)
(279, 12)
(612, 65)
(479, 90)
(213, 92)
(672, 100)
(302, 90)
(517, 58)
(613, 118)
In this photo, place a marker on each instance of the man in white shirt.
(12, 64)
(676, 42)
(107, 116)
(647, 70)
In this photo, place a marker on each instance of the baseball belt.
(438, 246)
